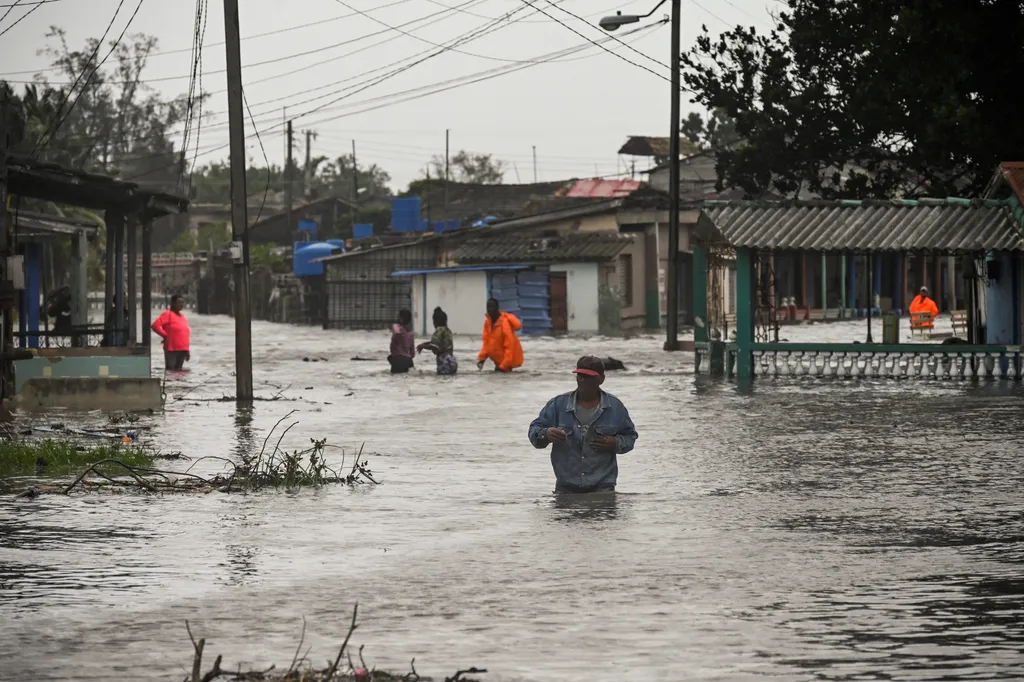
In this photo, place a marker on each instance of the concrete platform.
(83, 394)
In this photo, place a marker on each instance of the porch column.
(804, 297)
(30, 296)
(700, 294)
(851, 285)
(922, 274)
(842, 286)
(147, 282)
(652, 301)
(79, 284)
(824, 286)
(744, 314)
(111, 221)
(133, 281)
(876, 287)
(119, 284)
(937, 295)
(901, 285)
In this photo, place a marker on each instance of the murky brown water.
(801, 531)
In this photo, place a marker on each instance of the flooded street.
(803, 530)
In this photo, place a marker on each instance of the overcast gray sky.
(577, 109)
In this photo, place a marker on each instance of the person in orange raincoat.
(501, 344)
(923, 304)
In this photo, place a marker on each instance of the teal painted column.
(842, 287)
(824, 284)
(744, 313)
(700, 294)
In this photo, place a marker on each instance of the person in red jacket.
(173, 328)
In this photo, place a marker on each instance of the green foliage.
(117, 125)
(867, 98)
(61, 458)
(718, 132)
(477, 169)
(263, 256)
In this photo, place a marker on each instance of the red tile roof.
(1013, 171)
(603, 189)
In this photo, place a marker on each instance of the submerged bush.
(56, 458)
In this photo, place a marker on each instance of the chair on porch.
(959, 320)
(922, 324)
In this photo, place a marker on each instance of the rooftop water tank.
(304, 253)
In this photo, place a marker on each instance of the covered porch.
(979, 243)
(118, 348)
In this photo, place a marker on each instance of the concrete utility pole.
(239, 219)
(355, 184)
(307, 182)
(447, 175)
(535, 164)
(288, 178)
(672, 340)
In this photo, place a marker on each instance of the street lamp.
(611, 23)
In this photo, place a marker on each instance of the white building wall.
(581, 285)
(462, 295)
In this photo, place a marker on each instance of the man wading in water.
(587, 428)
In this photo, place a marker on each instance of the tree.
(715, 134)
(867, 98)
(111, 122)
(477, 169)
(334, 178)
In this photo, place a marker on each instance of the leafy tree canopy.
(477, 169)
(867, 98)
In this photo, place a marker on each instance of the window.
(626, 278)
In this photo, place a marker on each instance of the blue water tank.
(362, 230)
(308, 226)
(405, 215)
(304, 253)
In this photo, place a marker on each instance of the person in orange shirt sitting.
(501, 344)
(923, 304)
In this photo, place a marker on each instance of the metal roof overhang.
(463, 268)
(949, 226)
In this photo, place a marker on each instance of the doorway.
(559, 304)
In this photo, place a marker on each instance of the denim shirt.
(574, 470)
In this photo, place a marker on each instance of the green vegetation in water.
(341, 668)
(56, 458)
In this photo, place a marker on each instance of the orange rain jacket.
(501, 343)
(923, 304)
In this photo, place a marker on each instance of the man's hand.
(604, 444)
(556, 435)
(188, 356)
(480, 365)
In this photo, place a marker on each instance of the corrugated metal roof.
(603, 189)
(577, 246)
(467, 268)
(939, 225)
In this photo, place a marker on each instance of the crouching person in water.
(586, 428)
(403, 344)
(442, 344)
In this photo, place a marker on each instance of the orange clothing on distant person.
(923, 304)
(173, 327)
(501, 343)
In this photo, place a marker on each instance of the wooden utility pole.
(288, 163)
(535, 164)
(447, 173)
(239, 219)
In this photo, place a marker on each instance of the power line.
(612, 52)
(19, 19)
(10, 8)
(266, 161)
(437, 16)
(418, 93)
(46, 137)
(630, 47)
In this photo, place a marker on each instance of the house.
(554, 284)
(283, 230)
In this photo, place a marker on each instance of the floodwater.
(801, 530)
